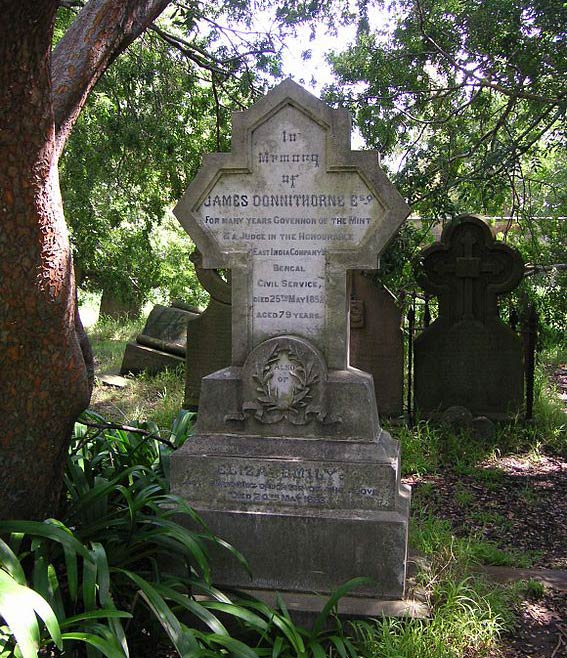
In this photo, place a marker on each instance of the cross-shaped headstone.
(289, 211)
(467, 269)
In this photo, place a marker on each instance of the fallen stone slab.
(554, 578)
(112, 379)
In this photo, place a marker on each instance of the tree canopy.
(466, 96)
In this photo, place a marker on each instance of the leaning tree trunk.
(45, 359)
(44, 381)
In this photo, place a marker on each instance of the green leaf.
(182, 640)
(237, 648)
(278, 646)
(238, 611)
(95, 614)
(200, 611)
(105, 646)
(316, 649)
(339, 645)
(18, 606)
(72, 573)
(102, 573)
(9, 561)
(173, 530)
(334, 598)
(51, 529)
(284, 624)
(89, 584)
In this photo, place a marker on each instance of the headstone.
(162, 342)
(468, 357)
(376, 341)
(209, 336)
(288, 461)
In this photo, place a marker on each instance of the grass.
(468, 614)
(145, 398)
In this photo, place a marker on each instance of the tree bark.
(45, 367)
(43, 377)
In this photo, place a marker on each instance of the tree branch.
(480, 80)
(128, 428)
(102, 30)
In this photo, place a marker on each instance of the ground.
(518, 503)
(520, 506)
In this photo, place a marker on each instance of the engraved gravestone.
(162, 342)
(288, 461)
(209, 335)
(468, 357)
(376, 341)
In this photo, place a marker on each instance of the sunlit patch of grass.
(468, 614)
(145, 398)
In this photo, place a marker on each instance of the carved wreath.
(302, 373)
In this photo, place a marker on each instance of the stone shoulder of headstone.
(184, 306)
(211, 280)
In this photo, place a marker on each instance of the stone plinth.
(162, 342)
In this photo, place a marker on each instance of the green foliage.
(121, 562)
(137, 143)
(468, 614)
(533, 589)
(427, 448)
(460, 91)
(467, 100)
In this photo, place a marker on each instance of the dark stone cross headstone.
(288, 461)
(468, 357)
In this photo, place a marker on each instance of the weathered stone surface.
(288, 461)
(376, 341)
(140, 358)
(468, 356)
(456, 418)
(209, 336)
(483, 428)
(162, 342)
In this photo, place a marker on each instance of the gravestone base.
(308, 515)
(162, 342)
(469, 364)
(305, 608)
(140, 358)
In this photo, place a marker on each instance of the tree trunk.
(45, 359)
(114, 307)
(44, 381)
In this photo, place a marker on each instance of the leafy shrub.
(120, 564)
